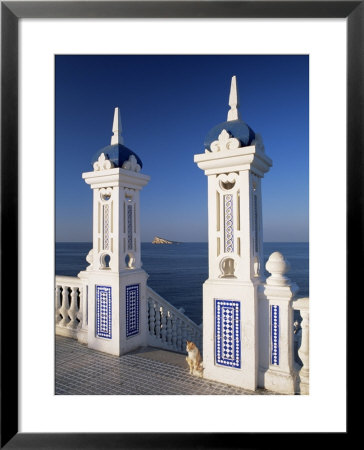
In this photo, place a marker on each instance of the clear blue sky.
(167, 105)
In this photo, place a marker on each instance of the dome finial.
(233, 113)
(116, 128)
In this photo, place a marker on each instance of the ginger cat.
(194, 358)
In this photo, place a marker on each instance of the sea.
(177, 271)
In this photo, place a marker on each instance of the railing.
(301, 335)
(69, 307)
(284, 374)
(169, 328)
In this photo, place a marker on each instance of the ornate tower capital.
(116, 182)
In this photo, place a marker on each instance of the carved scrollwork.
(225, 142)
(131, 164)
(129, 193)
(103, 163)
(90, 259)
(130, 260)
(227, 181)
(105, 194)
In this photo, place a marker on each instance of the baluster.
(183, 335)
(158, 321)
(188, 333)
(80, 312)
(65, 306)
(200, 334)
(164, 324)
(169, 328)
(73, 310)
(178, 327)
(174, 331)
(303, 351)
(197, 339)
(195, 336)
(191, 334)
(152, 317)
(58, 304)
(149, 316)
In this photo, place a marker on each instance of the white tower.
(234, 162)
(115, 281)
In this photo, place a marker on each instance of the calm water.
(177, 272)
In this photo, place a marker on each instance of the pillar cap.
(234, 125)
(277, 266)
(117, 152)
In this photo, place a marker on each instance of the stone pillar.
(277, 369)
(115, 283)
(234, 162)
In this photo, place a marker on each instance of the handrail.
(69, 281)
(169, 328)
(300, 304)
(151, 293)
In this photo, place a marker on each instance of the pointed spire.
(116, 128)
(233, 113)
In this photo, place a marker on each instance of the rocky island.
(159, 240)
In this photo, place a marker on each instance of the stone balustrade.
(169, 328)
(281, 372)
(302, 339)
(70, 310)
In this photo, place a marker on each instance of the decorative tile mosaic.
(229, 224)
(132, 310)
(130, 226)
(103, 311)
(227, 333)
(106, 227)
(275, 334)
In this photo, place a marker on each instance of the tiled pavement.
(82, 371)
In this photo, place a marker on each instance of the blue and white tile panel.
(227, 333)
(106, 226)
(229, 223)
(103, 312)
(275, 335)
(132, 310)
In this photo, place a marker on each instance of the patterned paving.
(82, 371)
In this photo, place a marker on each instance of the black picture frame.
(11, 12)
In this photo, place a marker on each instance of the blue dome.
(118, 154)
(237, 129)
